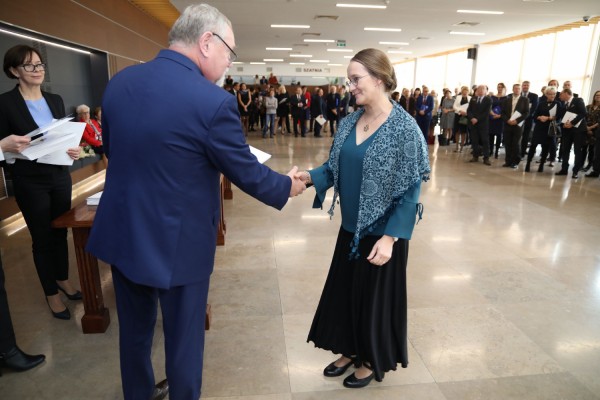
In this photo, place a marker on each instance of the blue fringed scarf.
(395, 161)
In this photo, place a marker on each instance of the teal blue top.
(401, 221)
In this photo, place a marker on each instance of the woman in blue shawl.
(376, 165)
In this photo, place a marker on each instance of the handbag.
(553, 129)
(463, 120)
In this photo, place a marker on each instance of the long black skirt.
(362, 311)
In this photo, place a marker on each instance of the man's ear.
(203, 43)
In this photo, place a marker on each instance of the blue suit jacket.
(169, 133)
(424, 102)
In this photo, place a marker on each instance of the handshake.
(299, 181)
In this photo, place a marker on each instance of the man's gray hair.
(194, 21)
(82, 108)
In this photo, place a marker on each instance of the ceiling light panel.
(319, 40)
(383, 29)
(279, 48)
(373, 6)
(395, 43)
(301, 55)
(341, 50)
(291, 26)
(480, 12)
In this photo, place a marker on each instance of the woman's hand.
(382, 251)
(74, 152)
(14, 143)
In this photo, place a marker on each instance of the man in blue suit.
(424, 109)
(169, 132)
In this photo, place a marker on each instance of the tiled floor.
(504, 296)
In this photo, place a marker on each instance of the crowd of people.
(520, 121)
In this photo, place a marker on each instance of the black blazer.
(15, 119)
(576, 106)
(404, 103)
(534, 100)
(481, 111)
(297, 109)
(543, 109)
(522, 107)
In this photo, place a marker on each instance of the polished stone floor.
(503, 283)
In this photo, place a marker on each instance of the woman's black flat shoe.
(353, 382)
(332, 370)
(75, 296)
(64, 314)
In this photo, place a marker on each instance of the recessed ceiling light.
(341, 50)
(480, 12)
(237, 62)
(336, 65)
(399, 52)
(319, 40)
(291, 26)
(467, 33)
(279, 48)
(257, 63)
(348, 56)
(62, 46)
(301, 55)
(384, 29)
(395, 43)
(273, 59)
(381, 7)
(294, 63)
(319, 61)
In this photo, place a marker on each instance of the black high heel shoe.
(333, 370)
(17, 360)
(75, 296)
(64, 314)
(352, 382)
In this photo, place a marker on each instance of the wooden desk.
(96, 317)
(80, 219)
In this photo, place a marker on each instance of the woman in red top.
(92, 135)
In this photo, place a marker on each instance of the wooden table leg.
(96, 317)
(227, 192)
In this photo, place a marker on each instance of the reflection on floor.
(504, 295)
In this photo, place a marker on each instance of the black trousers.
(596, 164)
(571, 138)
(480, 140)
(299, 119)
(42, 198)
(512, 141)
(540, 137)
(526, 136)
(7, 333)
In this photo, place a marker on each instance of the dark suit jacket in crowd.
(533, 103)
(481, 111)
(403, 103)
(576, 106)
(297, 105)
(522, 107)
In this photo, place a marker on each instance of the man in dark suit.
(404, 99)
(573, 131)
(513, 127)
(10, 355)
(298, 112)
(533, 103)
(332, 102)
(478, 115)
(157, 220)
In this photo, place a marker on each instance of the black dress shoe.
(75, 296)
(575, 175)
(17, 360)
(506, 165)
(593, 174)
(161, 390)
(353, 382)
(561, 172)
(486, 161)
(332, 370)
(64, 314)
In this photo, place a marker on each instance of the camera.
(586, 18)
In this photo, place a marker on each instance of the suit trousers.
(184, 312)
(480, 140)
(572, 138)
(42, 198)
(540, 138)
(7, 333)
(424, 123)
(526, 135)
(512, 141)
(299, 119)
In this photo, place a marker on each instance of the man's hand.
(568, 125)
(74, 152)
(14, 143)
(298, 186)
(512, 122)
(474, 121)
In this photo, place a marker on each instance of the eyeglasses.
(232, 55)
(354, 81)
(34, 67)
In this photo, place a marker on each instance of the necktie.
(568, 104)
(479, 100)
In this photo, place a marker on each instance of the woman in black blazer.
(542, 119)
(42, 191)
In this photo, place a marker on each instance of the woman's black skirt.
(362, 311)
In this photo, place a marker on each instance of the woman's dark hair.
(16, 56)
(379, 66)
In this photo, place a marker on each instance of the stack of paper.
(94, 199)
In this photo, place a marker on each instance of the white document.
(53, 148)
(569, 116)
(94, 199)
(320, 120)
(260, 155)
(463, 107)
(552, 111)
(38, 134)
(516, 115)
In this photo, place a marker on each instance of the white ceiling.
(432, 19)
